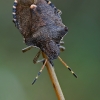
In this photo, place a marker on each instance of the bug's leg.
(62, 39)
(62, 48)
(27, 48)
(39, 72)
(50, 3)
(53, 6)
(59, 11)
(61, 42)
(36, 58)
(67, 67)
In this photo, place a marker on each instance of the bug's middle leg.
(35, 60)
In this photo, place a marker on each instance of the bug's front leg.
(27, 48)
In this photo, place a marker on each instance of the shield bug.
(41, 26)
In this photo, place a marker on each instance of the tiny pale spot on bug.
(14, 19)
(15, 1)
(37, 77)
(33, 6)
(72, 72)
(14, 6)
(14, 13)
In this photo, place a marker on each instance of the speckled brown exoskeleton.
(41, 26)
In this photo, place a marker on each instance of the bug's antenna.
(67, 67)
(40, 72)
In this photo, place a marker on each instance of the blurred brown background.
(82, 54)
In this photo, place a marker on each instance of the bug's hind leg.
(39, 71)
(35, 60)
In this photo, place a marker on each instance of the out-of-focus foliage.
(82, 54)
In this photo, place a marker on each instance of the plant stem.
(54, 79)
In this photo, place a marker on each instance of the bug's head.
(51, 49)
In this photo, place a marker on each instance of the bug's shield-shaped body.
(41, 27)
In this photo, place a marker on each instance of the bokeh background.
(82, 54)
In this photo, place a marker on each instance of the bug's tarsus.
(67, 67)
(40, 71)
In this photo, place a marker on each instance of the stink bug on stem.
(41, 26)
